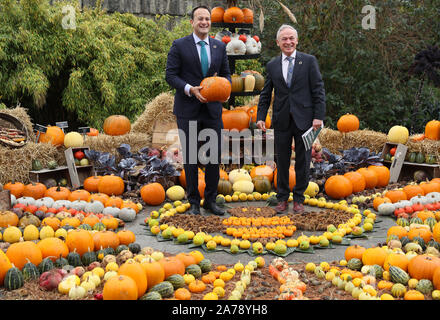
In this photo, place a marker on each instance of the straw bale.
(336, 141)
(21, 114)
(159, 109)
(15, 164)
(426, 146)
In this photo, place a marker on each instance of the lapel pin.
(300, 62)
(214, 46)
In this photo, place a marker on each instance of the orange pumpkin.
(217, 14)
(182, 177)
(80, 240)
(374, 255)
(235, 119)
(93, 132)
(20, 253)
(91, 220)
(197, 286)
(412, 191)
(53, 222)
(432, 130)
(126, 237)
(383, 175)
(102, 197)
(396, 259)
(57, 193)
(53, 248)
(435, 278)
(72, 221)
(172, 265)
(79, 194)
(130, 204)
(91, 183)
(134, 270)
(347, 123)
(182, 294)
(153, 194)
(110, 222)
(111, 185)
(413, 295)
(16, 188)
(233, 15)
(34, 190)
(120, 287)
(154, 271)
(292, 178)
(338, 187)
(186, 258)
(398, 231)
(423, 266)
(357, 180)
(354, 251)
(215, 89)
(224, 175)
(429, 187)
(424, 233)
(378, 201)
(116, 125)
(105, 239)
(114, 201)
(5, 265)
(370, 176)
(8, 218)
(53, 135)
(424, 214)
(396, 195)
(248, 15)
(262, 170)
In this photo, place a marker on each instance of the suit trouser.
(283, 153)
(191, 160)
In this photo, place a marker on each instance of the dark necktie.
(204, 58)
(289, 71)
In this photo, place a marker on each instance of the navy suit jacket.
(183, 66)
(304, 100)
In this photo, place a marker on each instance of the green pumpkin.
(398, 275)
(165, 289)
(398, 290)
(412, 157)
(387, 157)
(402, 222)
(404, 240)
(392, 237)
(420, 241)
(259, 81)
(46, 265)
(88, 257)
(434, 244)
(431, 159)
(425, 286)
(430, 222)
(74, 259)
(354, 264)
(416, 220)
(176, 280)
(52, 164)
(195, 270)
(272, 200)
(121, 248)
(205, 265)
(30, 272)
(13, 279)
(224, 187)
(61, 262)
(85, 226)
(420, 158)
(135, 248)
(377, 271)
(153, 295)
(262, 184)
(99, 226)
(109, 250)
(36, 165)
(219, 200)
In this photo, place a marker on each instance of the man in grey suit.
(299, 104)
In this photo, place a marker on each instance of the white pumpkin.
(433, 197)
(127, 214)
(402, 204)
(175, 193)
(62, 203)
(77, 292)
(419, 199)
(386, 209)
(26, 200)
(78, 205)
(113, 211)
(94, 206)
(244, 186)
(73, 140)
(236, 47)
(13, 200)
(239, 174)
(251, 46)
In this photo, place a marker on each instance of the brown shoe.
(298, 207)
(281, 207)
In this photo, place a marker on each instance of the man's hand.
(317, 124)
(261, 125)
(195, 91)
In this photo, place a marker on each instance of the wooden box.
(165, 134)
(77, 173)
(5, 200)
(44, 174)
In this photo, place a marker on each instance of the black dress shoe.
(194, 209)
(213, 208)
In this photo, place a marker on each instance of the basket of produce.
(13, 132)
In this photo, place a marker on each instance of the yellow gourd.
(249, 83)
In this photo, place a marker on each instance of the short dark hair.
(199, 7)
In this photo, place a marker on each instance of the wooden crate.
(165, 134)
(77, 173)
(44, 174)
(5, 200)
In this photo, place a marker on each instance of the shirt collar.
(197, 39)
(283, 56)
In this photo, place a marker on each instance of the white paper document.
(310, 136)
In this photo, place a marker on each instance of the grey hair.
(285, 26)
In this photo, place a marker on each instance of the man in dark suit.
(299, 104)
(190, 60)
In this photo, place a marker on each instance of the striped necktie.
(204, 58)
(289, 71)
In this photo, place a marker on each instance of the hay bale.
(336, 141)
(21, 114)
(15, 164)
(426, 146)
(159, 109)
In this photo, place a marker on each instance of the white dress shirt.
(199, 48)
(285, 63)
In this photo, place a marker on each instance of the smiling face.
(201, 23)
(287, 41)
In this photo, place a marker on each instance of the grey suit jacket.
(305, 99)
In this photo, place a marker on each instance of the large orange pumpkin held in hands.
(117, 125)
(215, 89)
(235, 119)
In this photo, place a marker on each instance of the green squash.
(109, 250)
(412, 157)
(224, 187)
(402, 222)
(354, 264)
(431, 222)
(30, 272)
(121, 248)
(420, 241)
(88, 257)
(420, 158)
(195, 270)
(36, 165)
(135, 248)
(431, 159)
(272, 200)
(425, 286)
(219, 200)
(74, 259)
(13, 279)
(259, 81)
(176, 280)
(165, 289)
(46, 265)
(262, 184)
(404, 240)
(99, 226)
(398, 275)
(416, 220)
(153, 295)
(52, 164)
(205, 265)
(61, 262)
(434, 244)
(85, 226)
(387, 157)
(377, 271)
